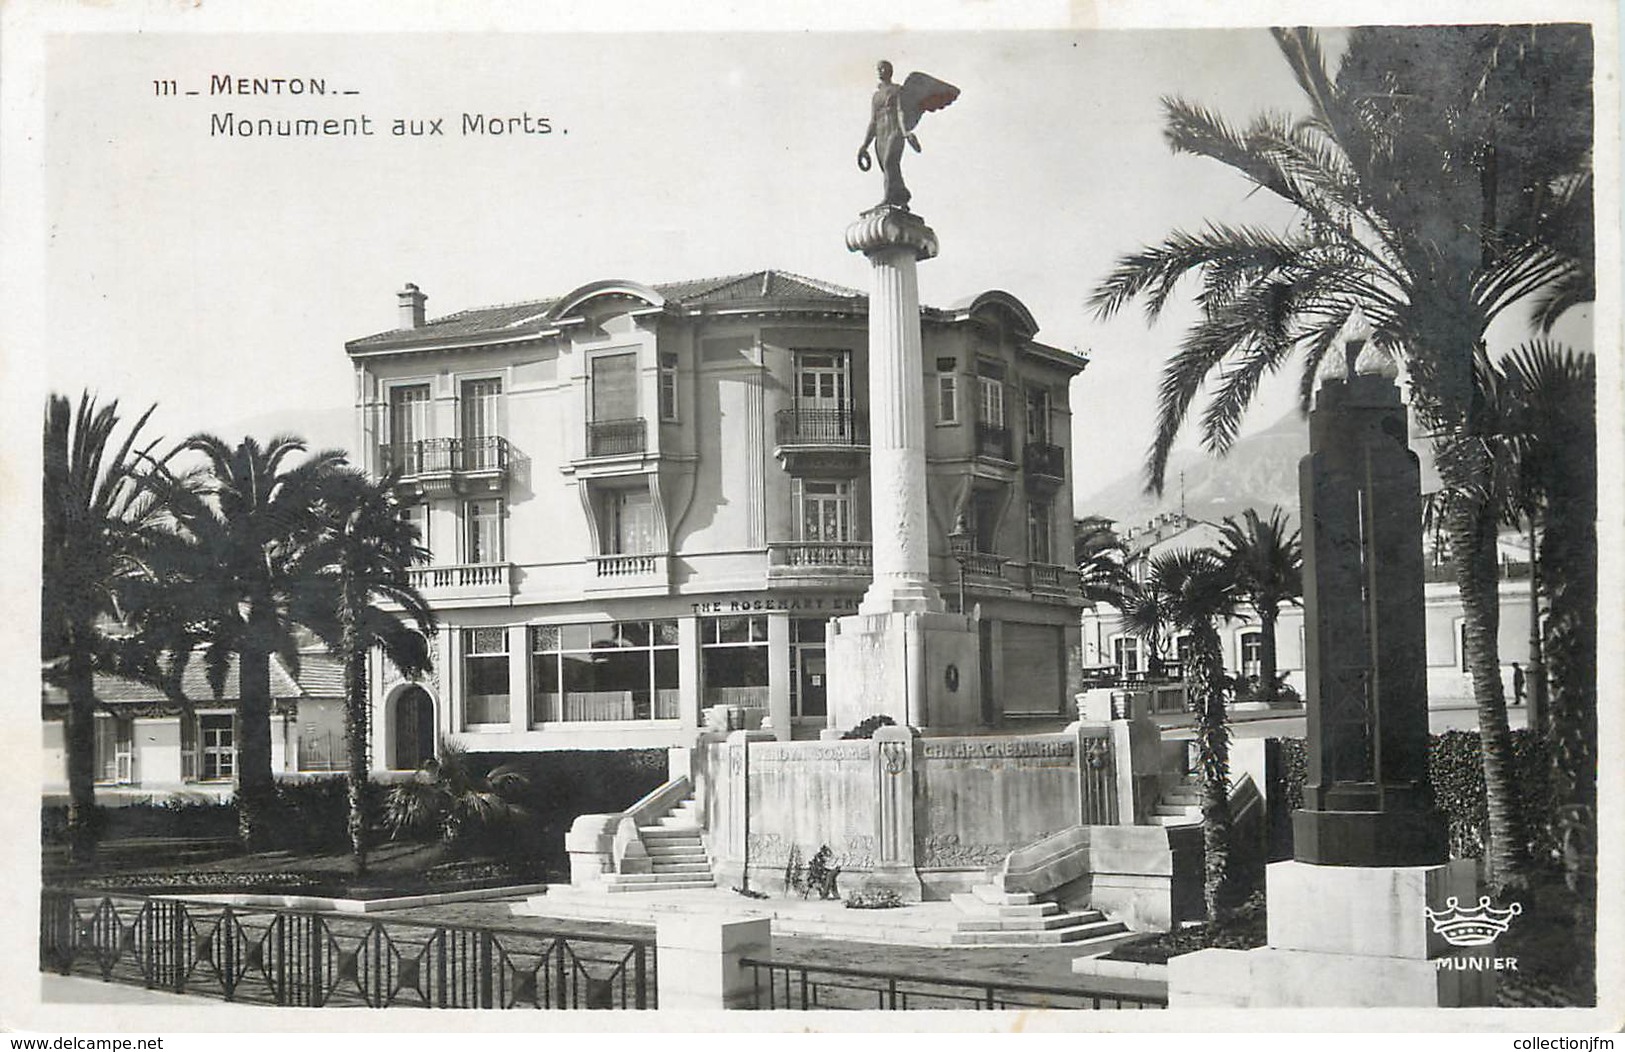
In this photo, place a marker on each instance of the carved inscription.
(807, 753)
(994, 749)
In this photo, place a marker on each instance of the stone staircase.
(992, 917)
(677, 858)
(1179, 803)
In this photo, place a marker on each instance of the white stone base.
(1274, 978)
(921, 669)
(1344, 937)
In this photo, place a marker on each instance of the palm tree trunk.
(1206, 678)
(355, 730)
(1471, 526)
(79, 737)
(1267, 616)
(1536, 714)
(256, 785)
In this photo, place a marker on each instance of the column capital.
(889, 227)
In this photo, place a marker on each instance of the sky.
(219, 277)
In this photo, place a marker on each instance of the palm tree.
(1441, 178)
(1195, 592)
(100, 608)
(447, 795)
(368, 550)
(1144, 615)
(1265, 564)
(251, 519)
(1099, 554)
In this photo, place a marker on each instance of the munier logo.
(1479, 927)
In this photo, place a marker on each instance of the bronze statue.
(894, 112)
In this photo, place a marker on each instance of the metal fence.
(797, 986)
(307, 958)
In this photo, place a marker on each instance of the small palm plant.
(471, 812)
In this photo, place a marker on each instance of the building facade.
(646, 502)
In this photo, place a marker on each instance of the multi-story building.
(647, 501)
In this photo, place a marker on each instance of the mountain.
(1260, 470)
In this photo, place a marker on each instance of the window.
(1184, 646)
(114, 749)
(626, 522)
(417, 516)
(1252, 654)
(484, 526)
(1038, 531)
(614, 387)
(408, 414)
(1038, 415)
(985, 505)
(947, 392)
(624, 670)
(991, 406)
(668, 387)
(821, 380)
(826, 511)
(485, 676)
(481, 405)
(733, 660)
(809, 683)
(1126, 655)
(218, 754)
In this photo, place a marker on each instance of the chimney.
(411, 308)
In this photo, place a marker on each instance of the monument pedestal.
(1344, 937)
(921, 669)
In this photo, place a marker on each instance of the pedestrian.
(1517, 684)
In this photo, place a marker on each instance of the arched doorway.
(414, 729)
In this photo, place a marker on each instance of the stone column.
(894, 813)
(894, 240)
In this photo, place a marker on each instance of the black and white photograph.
(819, 522)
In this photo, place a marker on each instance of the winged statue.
(894, 111)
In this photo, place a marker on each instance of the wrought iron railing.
(992, 440)
(312, 959)
(441, 456)
(1044, 460)
(821, 427)
(798, 986)
(610, 438)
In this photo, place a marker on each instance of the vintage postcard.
(720, 518)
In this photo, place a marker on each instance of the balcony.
(1044, 463)
(449, 465)
(645, 573)
(1050, 579)
(992, 440)
(617, 438)
(819, 560)
(822, 441)
(440, 584)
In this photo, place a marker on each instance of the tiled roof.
(516, 319)
(320, 676)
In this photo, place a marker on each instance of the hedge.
(1456, 770)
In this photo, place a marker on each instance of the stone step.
(668, 832)
(1173, 809)
(1177, 820)
(1050, 937)
(976, 907)
(993, 896)
(667, 885)
(662, 866)
(686, 851)
(1057, 920)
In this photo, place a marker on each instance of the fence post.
(699, 961)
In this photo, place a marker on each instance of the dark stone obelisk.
(1367, 799)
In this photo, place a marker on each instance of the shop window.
(733, 660)
(620, 670)
(485, 676)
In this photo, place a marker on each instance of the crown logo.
(1475, 927)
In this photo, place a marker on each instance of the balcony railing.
(821, 555)
(1046, 577)
(821, 427)
(614, 438)
(992, 440)
(635, 565)
(445, 456)
(982, 564)
(1044, 460)
(471, 577)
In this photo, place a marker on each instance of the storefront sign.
(826, 604)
